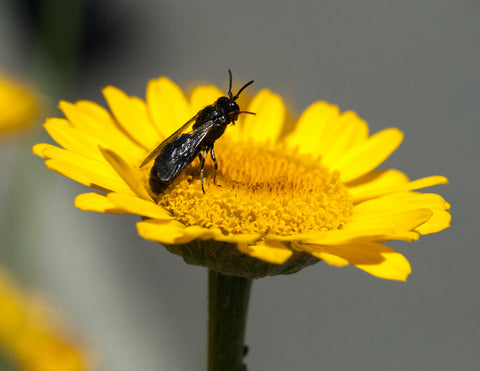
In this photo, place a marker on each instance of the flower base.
(225, 258)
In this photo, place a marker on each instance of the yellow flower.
(18, 105)
(287, 198)
(31, 336)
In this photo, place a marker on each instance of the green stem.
(228, 306)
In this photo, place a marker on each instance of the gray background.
(410, 64)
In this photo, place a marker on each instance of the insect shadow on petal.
(195, 138)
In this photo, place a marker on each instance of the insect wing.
(183, 129)
(177, 154)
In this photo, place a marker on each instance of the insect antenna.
(250, 113)
(243, 87)
(230, 95)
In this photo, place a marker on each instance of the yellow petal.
(375, 180)
(312, 127)
(196, 231)
(323, 253)
(73, 138)
(267, 123)
(135, 205)
(343, 236)
(238, 238)
(38, 149)
(349, 131)
(392, 184)
(131, 113)
(167, 106)
(92, 173)
(374, 258)
(270, 251)
(167, 232)
(438, 222)
(396, 202)
(87, 176)
(96, 202)
(96, 121)
(308, 236)
(366, 233)
(404, 201)
(132, 177)
(399, 226)
(397, 220)
(326, 253)
(203, 96)
(368, 155)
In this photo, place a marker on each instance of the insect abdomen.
(170, 162)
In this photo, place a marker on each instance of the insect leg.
(202, 165)
(212, 153)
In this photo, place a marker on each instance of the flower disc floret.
(261, 190)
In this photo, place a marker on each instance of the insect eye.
(233, 106)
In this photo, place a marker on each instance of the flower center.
(259, 190)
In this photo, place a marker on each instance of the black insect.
(195, 138)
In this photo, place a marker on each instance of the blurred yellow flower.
(311, 191)
(18, 105)
(30, 334)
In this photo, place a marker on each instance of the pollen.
(260, 190)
